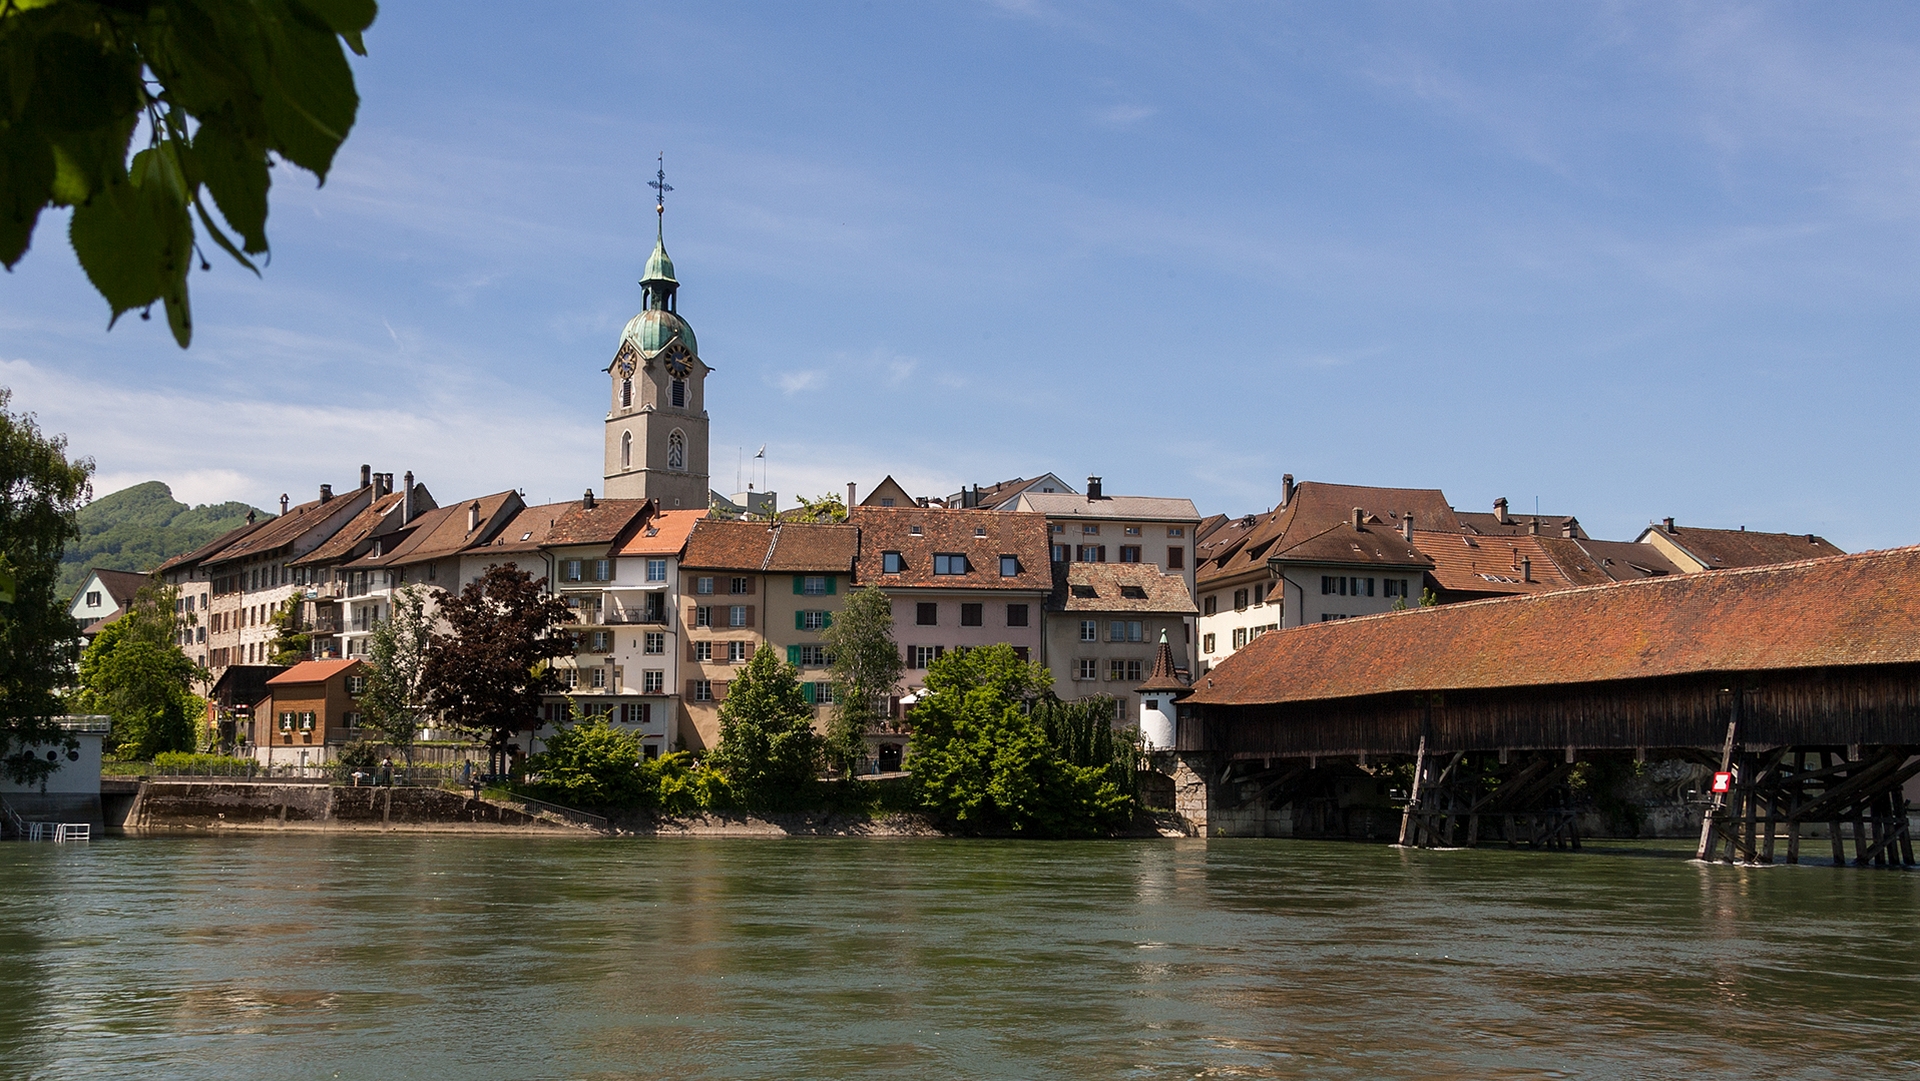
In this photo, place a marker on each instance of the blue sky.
(1630, 260)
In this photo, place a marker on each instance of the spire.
(1163, 678)
(657, 282)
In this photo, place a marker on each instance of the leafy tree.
(290, 644)
(488, 674)
(396, 661)
(135, 672)
(40, 497)
(985, 764)
(768, 749)
(826, 508)
(224, 89)
(866, 668)
(592, 764)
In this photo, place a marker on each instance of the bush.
(202, 765)
(593, 765)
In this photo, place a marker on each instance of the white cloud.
(795, 382)
(1124, 116)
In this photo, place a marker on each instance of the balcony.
(328, 623)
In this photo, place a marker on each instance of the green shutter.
(831, 579)
(799, 583)
(793, 656)
(799, 621)
(807, 689)
(829, 617)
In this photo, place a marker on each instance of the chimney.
(1286, 488)
(473, 516)
(1406, 527)
(1359, 518)
(1093, 489)
(366, 475)
(250, 515)
(1669, 525)
(283, 503)
(406, 500)
(1533, 527)
(1570, 528)
(326, 493)
(1526, 569)
(1500, 510)
(586, 501)
(850, 495)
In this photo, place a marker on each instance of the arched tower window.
(679, 393)
(626, 394)
(626, 450)
(676, 450)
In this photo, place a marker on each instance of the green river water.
(414, 956)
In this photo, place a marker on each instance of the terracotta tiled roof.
(1589, 562)
(526, 531)
(1487, 524)
(1163, 678)
(1118, 587)
(720, 544)
(1138, 507)
(803, 546)
(285, 529)
(313, 672)
(664, 534)
(218, 543)
(1317, 527)
(120, 585)
(982, 536)
(1843, 610)
(1722, 548)
(442, 531)
(358, 529)
(608, 521)
(1465, 563)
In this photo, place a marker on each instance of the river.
(412, 956)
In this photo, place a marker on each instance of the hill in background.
(137, 528)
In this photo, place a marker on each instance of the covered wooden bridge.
(1800, 682)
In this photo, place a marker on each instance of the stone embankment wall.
(211, 805)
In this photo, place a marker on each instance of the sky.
(1622, 261)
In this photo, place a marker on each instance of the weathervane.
(660, 187)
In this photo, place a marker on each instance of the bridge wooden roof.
(1839, 611)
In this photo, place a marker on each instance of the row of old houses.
(668, 604)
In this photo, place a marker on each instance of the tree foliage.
(768, 749)
(487, 674)
(135, 672)
(137, 528)
(866, 669)
(222, 90)
(825, 508)
(290, 645)
(594, 765)
(390, 706)
(985, 763)
(40, 496)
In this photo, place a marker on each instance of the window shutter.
(793, 656)
(1103, 554)
(753, 583)
(689, 695)
(799, 621)
(720, 690)
(806, 689)
(749, 615)
(693, 613)
(799, 583)
(828, 616)
(832, 581)
(689, 648)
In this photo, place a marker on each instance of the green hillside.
(136, 528)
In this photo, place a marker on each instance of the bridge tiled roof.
(1839, 611)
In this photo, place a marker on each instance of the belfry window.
(626, 450)
(676, 450)
(626, 394)
(679, 393)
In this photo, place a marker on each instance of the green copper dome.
(659, 265)
(650, 331)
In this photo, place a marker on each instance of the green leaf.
(26, 183)
(220, 238)
(119, 243)
(344, 17)
(236, 173)
(309, 101)
(87, 161)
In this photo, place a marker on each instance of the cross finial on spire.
(660, 188)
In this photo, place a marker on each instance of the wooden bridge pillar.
(1853, 790)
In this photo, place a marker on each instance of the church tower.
(657, 423)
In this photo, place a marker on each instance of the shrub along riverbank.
(993, 753)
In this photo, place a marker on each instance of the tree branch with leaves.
(392, 702)
(866, 668)
(221, 91)
(491, 669)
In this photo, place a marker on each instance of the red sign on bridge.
(1722, 782)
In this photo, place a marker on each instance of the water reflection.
(431, 956)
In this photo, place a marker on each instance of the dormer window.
(892, 563)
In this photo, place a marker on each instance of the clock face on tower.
(677, 363)
(626, 369)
